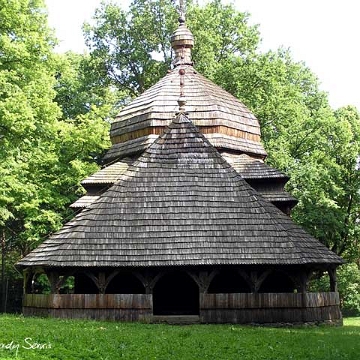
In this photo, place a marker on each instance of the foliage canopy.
(44, 153)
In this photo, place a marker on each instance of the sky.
(322, 33)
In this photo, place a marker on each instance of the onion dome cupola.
(224, 120)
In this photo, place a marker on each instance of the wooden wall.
(159, 130)
(239, 308)
(270, 308)
(120, 307)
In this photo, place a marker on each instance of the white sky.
(323, 33)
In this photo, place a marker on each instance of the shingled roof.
(225, 121)
(107, 175)
(181, 203)
(252, 168)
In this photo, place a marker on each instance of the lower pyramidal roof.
(180, 203)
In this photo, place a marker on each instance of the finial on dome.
(182, 98)
(182, 40)
(182, 103)
(181, 12)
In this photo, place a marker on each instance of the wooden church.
(185, 222)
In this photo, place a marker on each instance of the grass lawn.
(36, 338)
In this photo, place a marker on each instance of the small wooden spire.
(182, 98)
(182, 40)
(181, 12)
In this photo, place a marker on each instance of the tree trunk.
(3, 282)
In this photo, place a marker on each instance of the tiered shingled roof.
(267, 181)
(107, 175)
(97, 183)
(251, 168)
(224, 120)
(181, 203)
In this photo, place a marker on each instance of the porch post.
(333, 279)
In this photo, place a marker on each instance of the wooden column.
(57, 281)
(54, 280)
(254, 279)
(203, 279)
(149, 279)
(101, 281)
(333, 279)
(302, 281)
(26, 276)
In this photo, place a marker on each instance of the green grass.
(76, 339)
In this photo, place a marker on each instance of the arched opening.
(176, 293)
(320, 281)
(125, 284)
(68, 285)
(277, 282)
(38, 283)
(228, 281)
(84, 284)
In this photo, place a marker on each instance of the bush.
(348, 276)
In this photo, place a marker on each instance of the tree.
(44, 154)
(327, 184)
(25, 105)
(123, 44)
(78, 89)
(304, 137)
(221, 34)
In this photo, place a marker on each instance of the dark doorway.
(176, 293)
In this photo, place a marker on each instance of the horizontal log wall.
(128, 315)
(89, 301)
(270, 308)
(329, 314)
(268, 300)
(119, 307)
(159, 130)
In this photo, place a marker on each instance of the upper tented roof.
(181, 203)
(223, 119)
